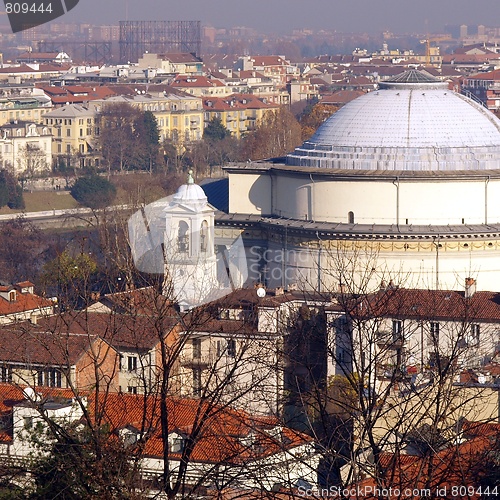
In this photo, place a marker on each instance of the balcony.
(190, 361)
(387, 340)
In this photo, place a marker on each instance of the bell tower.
(190, 260)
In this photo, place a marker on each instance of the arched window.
(204, 237)
(183, 237)
(350, 217)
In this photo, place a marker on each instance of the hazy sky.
(283, 15)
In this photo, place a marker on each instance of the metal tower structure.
(139, 37)
(89, 52)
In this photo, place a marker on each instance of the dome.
(413, 122)
(190, 194)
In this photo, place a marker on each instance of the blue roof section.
(217, 191)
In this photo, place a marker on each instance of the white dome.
(190, 192)
(412, 123)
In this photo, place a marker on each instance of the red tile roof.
(454, 466)
(430, 304)
(490, 75)
(132, 331)
(29, 344)
(341, 97)
(216, 432)
(195, 81)
(235, 102)
(269, 61)
(24, 302)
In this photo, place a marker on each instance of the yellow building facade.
(239, 113)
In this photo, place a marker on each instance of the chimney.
(470, 287)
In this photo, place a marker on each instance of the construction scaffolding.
(88, 52)
(139, 37)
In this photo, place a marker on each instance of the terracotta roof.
(31, 344)
(235, 101)
(490, 75)
(123, 89)
(189, 81)
(216, 431)
(25, 284)
(76, 93)
(179, 57)
(467, 48)
(24, 302)
(430, 304)
(269, 61)
(454, 466)
(469, 58)
(140, 301)
(127, 331)
(37, 55)
(341, 96)
(246, 298)
(43, 68)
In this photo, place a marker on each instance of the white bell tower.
(190, 260)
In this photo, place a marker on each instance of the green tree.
(147, 135)
(11, 192)
(215, 130)
(70, 277)
(93, 191)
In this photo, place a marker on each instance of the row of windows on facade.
(67, 121)
(88, 131)
(20, 132)
(224, 347)
(49, 377)
(81, 148)
(20, 114)
(471, 334)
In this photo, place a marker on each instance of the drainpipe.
(486, 199)
(319, 261)
(435, 242)
(396, 183)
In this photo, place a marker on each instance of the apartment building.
(172, 63)
(485, 87)
(73, 128)
(23, 107)
(26, 148)
(239, 113)
(200, 86)
(179, 117)
(275, 67)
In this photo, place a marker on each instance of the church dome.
(190, 194)
(413, 122)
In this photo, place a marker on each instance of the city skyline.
(281, 17)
